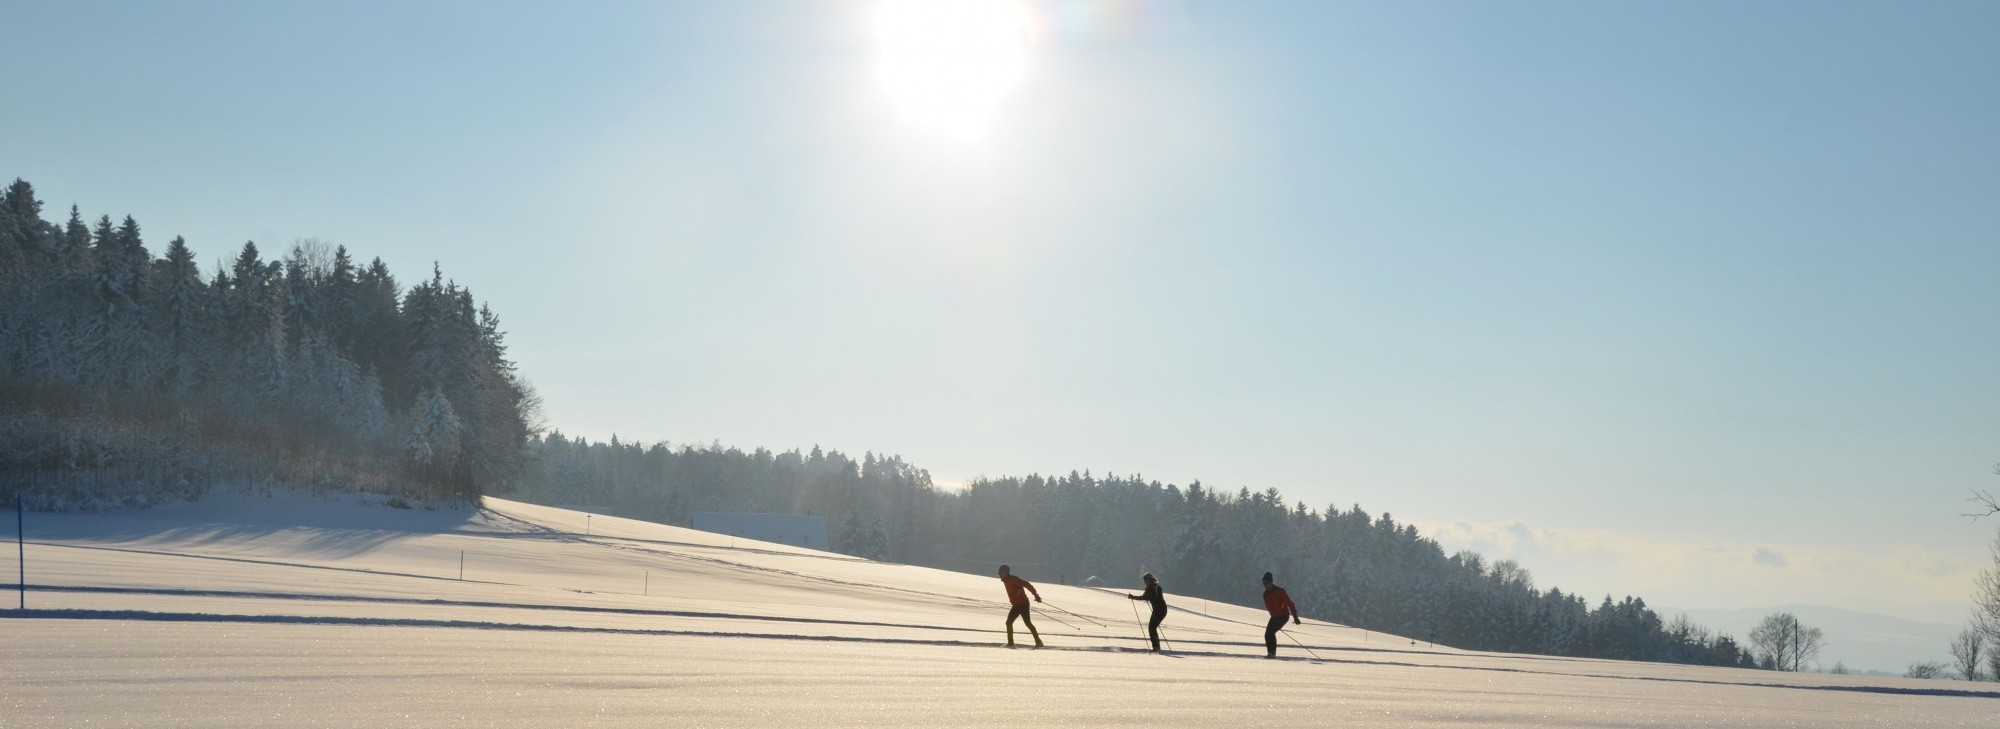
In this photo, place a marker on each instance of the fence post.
(21, 542)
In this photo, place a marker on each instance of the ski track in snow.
(246, 560)
(537, 627)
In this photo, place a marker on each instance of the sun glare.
(946, 64)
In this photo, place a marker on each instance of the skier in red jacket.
(1015, 595)
(1280, 605)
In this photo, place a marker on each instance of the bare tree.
(1983, 502)
(1780, 641)
(315, 255)
(1926, 669)
(1965, 652)
(1986, 590)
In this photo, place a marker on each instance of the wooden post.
(21, 541)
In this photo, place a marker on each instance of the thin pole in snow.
(1082, 617)
(586, 525)
(21, 542)
(1295, 639)
(1144, 638)
(648, 589)
(461, 565)
(1797, 647)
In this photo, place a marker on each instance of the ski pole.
(1087, 618)
(1079, 617)
(1309, 651)
(1051, 606)
(1064, 623)
(1143, 638)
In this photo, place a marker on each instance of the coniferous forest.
(128, 379)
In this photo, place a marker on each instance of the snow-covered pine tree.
(180, 319)
(1197, 548)
(433, 443)
(264, 365)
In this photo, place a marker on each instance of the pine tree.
(182, 317)
(432, 443)
(105, 253)
(249, 267)
(73, 254)
(340, 300)
(20, 231)
(132, 260)
(1197, 548)
(263, 365)
(378, 341)
(851, 536)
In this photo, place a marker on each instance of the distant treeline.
(130, 379)
(1346, 566)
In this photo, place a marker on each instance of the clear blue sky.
(1631, 292)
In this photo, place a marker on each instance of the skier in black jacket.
(1159, 601)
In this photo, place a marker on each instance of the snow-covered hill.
(292, 612)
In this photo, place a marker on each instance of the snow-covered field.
(299, 612)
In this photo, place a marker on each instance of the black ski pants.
(1021, 612)
(1153, 626)
(1271, 633)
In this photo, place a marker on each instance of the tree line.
(1342, 565)
(129, 379)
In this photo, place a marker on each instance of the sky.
(1690, 301)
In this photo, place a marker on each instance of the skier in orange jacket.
(1017, 590)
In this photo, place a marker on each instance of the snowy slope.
(293, 611)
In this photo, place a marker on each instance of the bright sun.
(947, 63)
